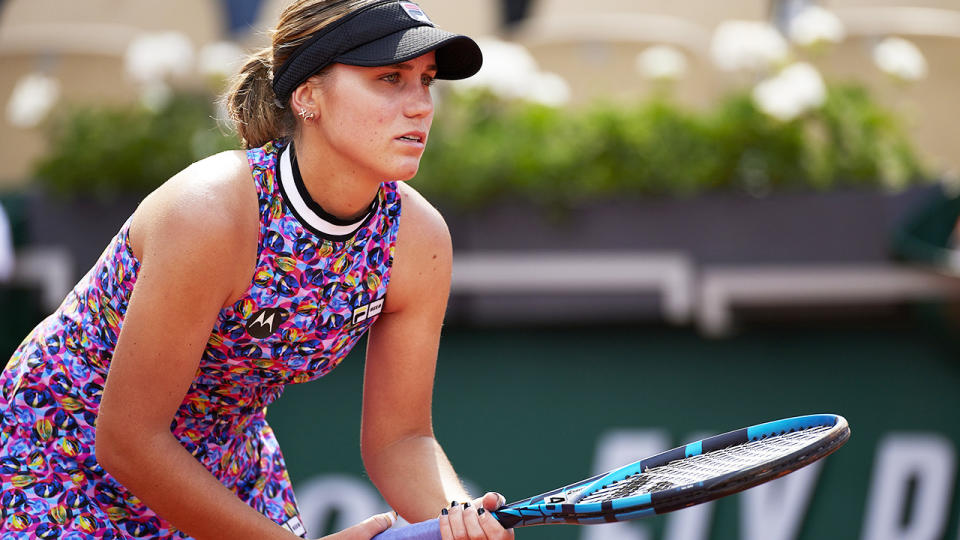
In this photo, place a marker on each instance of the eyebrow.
(405, 66)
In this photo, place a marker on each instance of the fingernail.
(466, 505)
(481, 511)
(444, 512)
(453, 503)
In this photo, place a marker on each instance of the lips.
(417, 137)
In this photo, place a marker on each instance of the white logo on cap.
(415, 12)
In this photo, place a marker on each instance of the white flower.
(220, 59)
(795, 90)
(156, 56)
(32, 98)
(511, 72)
(900, 58)
(549, 89)
(662, 62)
(507, 69)
(156, 95)
(816, 25)
(747, 45)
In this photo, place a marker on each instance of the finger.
(471, 522)
(478, 502)
(446, 533)
(372, 526)
(457, 526)
(492, 501)
(492, 528)
(380, 522)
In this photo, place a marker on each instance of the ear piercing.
(305, 115)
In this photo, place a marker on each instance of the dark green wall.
(547, 396)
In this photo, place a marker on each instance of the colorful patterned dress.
(319, 285)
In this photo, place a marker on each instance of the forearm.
(171, 482)
(415, 477)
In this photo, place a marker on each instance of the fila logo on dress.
(367, 311)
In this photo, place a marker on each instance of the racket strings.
(709, 465)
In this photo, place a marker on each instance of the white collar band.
(306, 209)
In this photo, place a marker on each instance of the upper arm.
(192, 248)
(402, 345)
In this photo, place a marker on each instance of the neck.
(340, 188)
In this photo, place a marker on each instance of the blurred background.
(670, 219)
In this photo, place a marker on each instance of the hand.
(473, 521)
(365, 530)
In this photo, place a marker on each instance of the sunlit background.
(670, 219)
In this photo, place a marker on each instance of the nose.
(420, 103)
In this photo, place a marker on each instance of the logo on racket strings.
(563, 496)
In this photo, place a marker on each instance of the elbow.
(367, 453)
(118, 447)
(105, 446)
(374, 448)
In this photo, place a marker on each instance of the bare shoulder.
(424, 253)
(207, 211)
(421, 224)
(208, 195)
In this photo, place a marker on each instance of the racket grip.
(425, 530)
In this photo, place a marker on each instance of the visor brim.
(458, 56)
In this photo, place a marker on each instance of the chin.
(402, 174)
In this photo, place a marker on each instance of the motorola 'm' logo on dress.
(265, 322)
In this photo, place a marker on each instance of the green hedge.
(482, 149)
(104, 151)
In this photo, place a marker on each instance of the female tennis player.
(137, 409)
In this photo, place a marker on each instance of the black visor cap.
(380, 34)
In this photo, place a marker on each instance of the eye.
(391, 77)
(427, 80)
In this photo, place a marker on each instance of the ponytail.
(256, 114)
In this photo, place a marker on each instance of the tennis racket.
(687, 475)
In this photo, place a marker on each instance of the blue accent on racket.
(694, 449)
(695, 473)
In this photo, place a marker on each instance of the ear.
(306, 98)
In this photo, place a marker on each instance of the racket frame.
(563, 506)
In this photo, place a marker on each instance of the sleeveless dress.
(319, 285)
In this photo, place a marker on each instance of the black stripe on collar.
(310, 214)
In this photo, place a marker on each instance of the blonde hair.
(257, 114)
